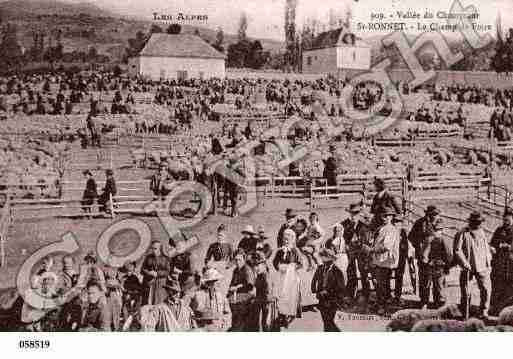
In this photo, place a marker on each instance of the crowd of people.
(254, 284)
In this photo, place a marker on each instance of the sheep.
(405, 319)
(499, 328)
(449, 325)
(506, 316)
(436, 325)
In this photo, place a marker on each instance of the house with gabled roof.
(335, 52)
(180, 56)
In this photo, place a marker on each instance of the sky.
(266, 16)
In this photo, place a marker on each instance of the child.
(132, 290)
(263, 295)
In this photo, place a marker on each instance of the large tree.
(11, 50)
(218, 44)
(290, 33)
(174, 29)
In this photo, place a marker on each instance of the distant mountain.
(84, 25)
(15, 9)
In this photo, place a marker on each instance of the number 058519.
(34, 344)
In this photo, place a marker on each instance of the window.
(309, 61)
(181, 75)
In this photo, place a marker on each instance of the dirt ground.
(27, 235)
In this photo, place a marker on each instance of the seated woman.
(287, 288)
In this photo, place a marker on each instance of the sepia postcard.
(256, 166)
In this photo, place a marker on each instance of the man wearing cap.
(473, 254)
(249, 240)
(433, 266)
(329, 287)
(383, 198)
(502, 263)
(385, 255)
(210, 298)
(291, 217)
(356, 233)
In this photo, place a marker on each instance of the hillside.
(84, 25)
(16, 9)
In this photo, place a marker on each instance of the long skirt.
(288, 291)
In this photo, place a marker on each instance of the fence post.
(111, 200)
(310, 190)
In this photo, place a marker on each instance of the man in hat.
(423, 228)
(263, 295)
(385, 255)
(473, 254)
(173, 315)
(155, 270)
(291, 218)
(329, 287)
(159, 183)
(356, 234)
(262, 245)
(249, 240)
(383, 198)
(209, 297)
(241, 293)
(110, 190)
(97, 316)
(433, 265)
(90, 192)
(502, 263)
(330, 168)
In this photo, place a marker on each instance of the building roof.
(181, 45)
(334, 38)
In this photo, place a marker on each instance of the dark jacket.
(419, 233)
(248, 244)
(110, 186)
(287, 257)
(97, 317)
(90, 190)
(329, 278)
(386, 200)
(219, 252)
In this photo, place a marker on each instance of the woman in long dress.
(287, 289)
(338, 245)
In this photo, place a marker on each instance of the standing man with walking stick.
(473, 254)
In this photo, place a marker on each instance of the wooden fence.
(5, 223)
